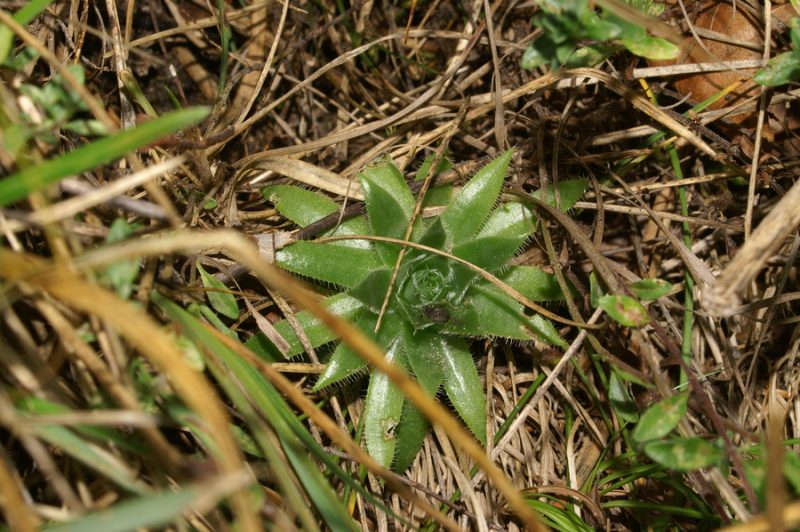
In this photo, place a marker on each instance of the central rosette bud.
(428, 290)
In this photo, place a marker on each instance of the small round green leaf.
(685, 454)
(661, 418)
(625, 310)
(650, 289)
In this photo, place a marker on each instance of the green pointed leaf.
(345, 362)
(509, 220)
(621, 400)
(427, 367)
(304, 207)
(463, 385)
(625, 310)
(372, 289)
(389, 205)
(488, 312)
(299, 205)
(425, 167)
(435, 237)
(383, 408)
(533, 283)
(410, 436)
(342, 305)
(489, 253)
(424, 358)
(569, 192)
(339, 265)
(661, 418)
(105, 150)
(214, 320)
(650, 289)
(685, 454)
(468, 211)
(546, 331)
(219, 295)
(596, 290)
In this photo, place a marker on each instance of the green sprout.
(436, 303)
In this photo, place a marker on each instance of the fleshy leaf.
(427, 367)
(469, 209)
(383, 409)
(488, 312)
(410, 436)
(334, 264)
(463, 385)
(389, 205)
(489, 253)
(219, 295)
(424, 358)
(509, 219)
(345, 362)
(305, 207)
(569, 192)
(533, 283)
(685, 454)
(342, 305)
(299, 205)
(372, 289)
(661, 418)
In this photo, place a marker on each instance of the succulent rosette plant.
(437, 304)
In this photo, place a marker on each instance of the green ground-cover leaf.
(389, 205)
(342, 305)
(650, 289)
(685, 454)
(569, 192)
(490, 252)
(533, 283)
(383, 408)
(33, 178)
(304, 207)
(218, 294)
(345, 362)
(661, 418)
(625, 310)
(469, 209)
(463, 384)
(339, 265)
(435, 303)
(509, 220)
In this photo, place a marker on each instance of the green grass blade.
(31, 179)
